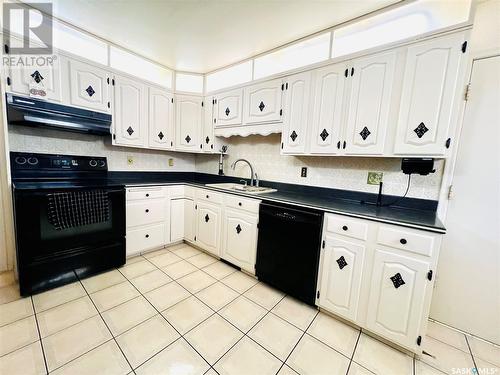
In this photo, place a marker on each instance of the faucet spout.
(233, 166)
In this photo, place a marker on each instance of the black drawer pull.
(207, 196)
(207, 218)
(147, 195)
(239, 204)
(345, 227)
(238, 229)
(403, 241)
(147, 210)
(147, 235)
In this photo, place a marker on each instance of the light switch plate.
(374, 178)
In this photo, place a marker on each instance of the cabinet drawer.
(406, 239)
(176, 191)
(145, 193)
(145, 212)
(146, 238)
(209, 196)
(354, 228)
(239, 203)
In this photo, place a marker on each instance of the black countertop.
(410, 212)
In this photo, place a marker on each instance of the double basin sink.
(242, 188)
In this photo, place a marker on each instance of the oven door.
(57, 223)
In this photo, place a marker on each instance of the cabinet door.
(130, 120)
(262, 102)
(89, 86)
(297, 98)
(41, 82)
(161, 119)
(369, 104)
(189, 220)
(177, 215)
(429, 91)
(342, 271)
(228, 108)
(240, 239)
(328, 109)
(208, 228)
(208, 124)
(188, 123)
(396, 302)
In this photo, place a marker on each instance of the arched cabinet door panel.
(188, 118)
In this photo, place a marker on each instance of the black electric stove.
(69, 219)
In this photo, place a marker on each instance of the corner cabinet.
(188, 120)
(430, 87)
(296, 117)
(379, 276)
(130, 118)
(161, 119)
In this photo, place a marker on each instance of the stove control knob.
(20, 160)
(102, 163)
(93, 163)
(32, 161)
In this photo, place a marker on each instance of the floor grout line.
(354, 351)
(39, 337)
(471, 354)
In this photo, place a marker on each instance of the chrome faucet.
(233, 166)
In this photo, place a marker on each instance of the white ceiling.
(203, 35)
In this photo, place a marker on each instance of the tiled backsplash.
(348, 173)
(25, 139)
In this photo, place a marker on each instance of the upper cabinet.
(161, 119)
(188, 118)
(130, 117)
(208, 125)
(430, 86)
(41, 82)
(371, 80)
(228, 108)
(297, 96)
(262, 103)
(89, 86)
(327, 109)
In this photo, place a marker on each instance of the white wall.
(348, 173)
(467, 289)
(27, 139)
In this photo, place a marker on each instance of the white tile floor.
(180, 311)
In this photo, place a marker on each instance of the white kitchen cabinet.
(228, 108)
(340, 284)
(398, 289)
(130, 116)
(296, 116)
(145, 238)
(430, 86)
(262, 103)
(208, 226)
(327, 109)
(372, 80)
(40, 82)
(188, 118)
(161, 119)
(208, 125)
(143, 212)
(89, 86)
(240, 238)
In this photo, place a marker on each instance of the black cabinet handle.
(147, 195)
(403, 241)
(238, 229)
(397, 280)
(338, 145)
(239, 204)
(345, 227)
(208, 196)
(345, 144)
(147, 210)
(147, 235)
(207, 218)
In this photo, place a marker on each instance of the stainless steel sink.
(242, 188)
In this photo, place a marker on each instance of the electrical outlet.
(130, 160)
(374, 178)
(303, 172)
(171, 162)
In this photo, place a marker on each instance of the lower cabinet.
(340, 285)
(182, 219)
(240, 238)
(208, 226)
(380, 277)
(399, 285)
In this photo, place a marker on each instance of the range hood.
(39, 113)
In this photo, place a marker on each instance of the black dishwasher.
(288, 249)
